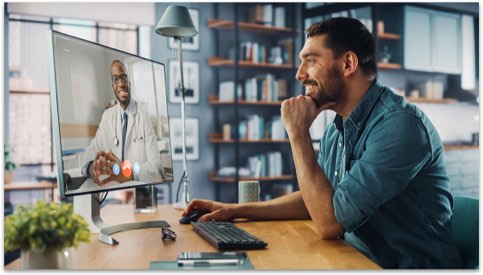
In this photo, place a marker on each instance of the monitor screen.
(110, 117)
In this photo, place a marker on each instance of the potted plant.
(9, 166)
(43, 232)
(385, 54)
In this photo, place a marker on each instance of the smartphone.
(211, 258)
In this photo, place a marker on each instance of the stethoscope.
(115, 140)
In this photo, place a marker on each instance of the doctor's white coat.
(141, 142)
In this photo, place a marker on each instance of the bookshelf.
(218, 179)
(218, 138)
(388, 36)
(246, 26)
(220, 62)
(254, 68)
(432, 100)
(214, 100)
(388, 66)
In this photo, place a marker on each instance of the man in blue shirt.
(380, 179)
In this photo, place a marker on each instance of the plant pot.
(51, 258)
(7, 176)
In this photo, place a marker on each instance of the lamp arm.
(185, 179)
(183, 117)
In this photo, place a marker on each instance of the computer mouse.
(191, 217)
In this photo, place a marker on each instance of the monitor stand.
(88, 207)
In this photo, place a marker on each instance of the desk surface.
(291, 245)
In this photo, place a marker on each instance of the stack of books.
(266, 165)
(267, 15)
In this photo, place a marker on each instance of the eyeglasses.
(168, 234)
(123, 77)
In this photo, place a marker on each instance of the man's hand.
(102, 165)
(299, 112)
(217, 211)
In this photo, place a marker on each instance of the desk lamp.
(176, 22)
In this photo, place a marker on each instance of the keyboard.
(227, 236)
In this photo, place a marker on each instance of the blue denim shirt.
(385, 163)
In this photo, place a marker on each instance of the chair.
(465, 230)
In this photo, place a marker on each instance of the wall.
(455, 124)
(201, 186)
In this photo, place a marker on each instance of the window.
(30, 128)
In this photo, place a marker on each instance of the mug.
(248, 191)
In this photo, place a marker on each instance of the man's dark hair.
(348, 34)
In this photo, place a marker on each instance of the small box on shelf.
(226, 132)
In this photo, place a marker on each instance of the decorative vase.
(51, 258)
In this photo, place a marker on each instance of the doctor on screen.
(125, 146)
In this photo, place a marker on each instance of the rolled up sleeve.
(396, 149)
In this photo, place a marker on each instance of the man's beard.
(331, 90)
(124, 101)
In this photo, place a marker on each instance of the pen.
(212, 262)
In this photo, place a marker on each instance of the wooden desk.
(291, 245)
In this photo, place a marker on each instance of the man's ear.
(350, 62)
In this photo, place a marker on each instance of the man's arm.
(298, 113)
(316, 189)
(290, 206)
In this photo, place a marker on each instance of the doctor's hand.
(299, 112)
(103, 164)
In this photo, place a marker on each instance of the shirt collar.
(361, 112)
(130, 110)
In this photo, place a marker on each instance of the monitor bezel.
(55, 116)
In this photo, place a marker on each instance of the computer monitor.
(110, 124)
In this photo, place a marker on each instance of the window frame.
(97, 25)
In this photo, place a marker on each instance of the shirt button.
(340, 144)
(335, 173)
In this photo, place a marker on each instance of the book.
(279, 17)
(268, 15)
(226, 91)
(226, 131)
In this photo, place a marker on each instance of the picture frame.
(191, 81)
(189, 43)
(192, 138)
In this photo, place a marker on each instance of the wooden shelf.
(245, 26)
(218, 138)
(389, 66)
(389, 36)
(30, 91)
(18, 186)
(450, 147)
(431, 100)
(213, 100)
(220, 62)
(213, 177)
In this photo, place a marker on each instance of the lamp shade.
(176, 22)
